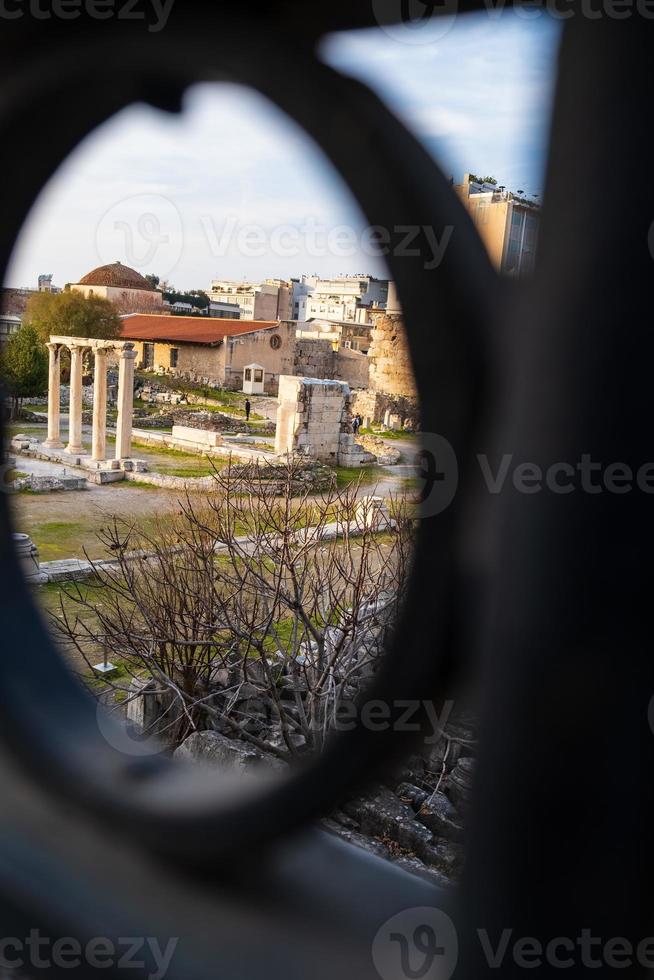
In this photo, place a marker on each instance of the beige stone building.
(507, 223)
(211, 349)
(342, 334)
(124, 287)
(267, 300)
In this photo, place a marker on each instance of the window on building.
(248, 374)
(174, 356)
(258, 375)
(148, 355)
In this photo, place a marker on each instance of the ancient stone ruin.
(390, 398)
(78, 346)
(313, 419)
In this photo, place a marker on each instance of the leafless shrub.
(255, 613)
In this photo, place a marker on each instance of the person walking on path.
(248, 409)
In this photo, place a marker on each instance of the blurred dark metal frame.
(98, 843)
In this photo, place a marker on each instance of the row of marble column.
(125, 401)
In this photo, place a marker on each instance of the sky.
(234, 189)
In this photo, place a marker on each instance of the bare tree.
(258, 611)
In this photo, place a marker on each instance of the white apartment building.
(340, 299)
(267, 300)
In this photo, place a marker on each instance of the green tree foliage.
(23, 366)
(196, 297)
(71, 314)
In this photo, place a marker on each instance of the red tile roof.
(188, 329)
(118, 275)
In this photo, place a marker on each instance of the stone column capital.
(128, 354)
(55, 348)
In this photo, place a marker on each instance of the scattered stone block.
(382, 814)
(441, 817)
(212, 748)
(199, 437)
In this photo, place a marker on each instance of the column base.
(74, 450)
(53, 444)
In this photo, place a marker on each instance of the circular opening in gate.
(170, 617)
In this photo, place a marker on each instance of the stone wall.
(378, 407)
(212, 421)
(315, 359)
(353, 367)
(273, 349)
(194, 361)
(391, 371)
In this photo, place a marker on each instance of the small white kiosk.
(253, 379)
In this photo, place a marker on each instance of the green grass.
(34, 408)
(173, 462)
(413, 483)
(54, 539)
(187, 472)
(24, 428)
(51, 597)
(345, 475)
(133, 485)
(389, 435)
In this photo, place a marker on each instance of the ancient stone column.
(75, 446)
(125, 404)
(54, 399)
(99, 445)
